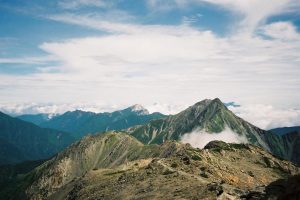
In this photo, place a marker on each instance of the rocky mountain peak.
(139, 109)
(216, 144)
(209, 104)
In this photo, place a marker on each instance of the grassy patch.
(115, 172)
(196, 157)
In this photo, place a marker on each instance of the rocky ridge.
(116, 165)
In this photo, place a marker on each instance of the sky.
(164, 54)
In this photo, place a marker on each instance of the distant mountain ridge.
(285, 130)
(36, 119)
(22, 140)
(82, 122)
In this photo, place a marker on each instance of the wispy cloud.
(281, 31)
(250, 12)
(116, 22)
(28, 60)
(255, 12)
(75, 4)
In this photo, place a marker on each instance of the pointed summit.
(217, 101)
(138, 109)
(206, 103)
(210, 116)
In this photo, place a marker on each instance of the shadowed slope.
(31, 141)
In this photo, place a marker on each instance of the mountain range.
(148, 160)
(40, 136)
(211, 116)
(79, 123)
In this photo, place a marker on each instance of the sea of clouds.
(199, 138)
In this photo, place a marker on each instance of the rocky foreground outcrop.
(117, 166)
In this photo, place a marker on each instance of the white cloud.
(254, 11)
(200, 138)
(59, 108)
(268, 117)
(50, 108)
(159, 55)
(110, 22)
(281, 30)
(158, 63)
(28, 60)
(136, 63)
(165, 108)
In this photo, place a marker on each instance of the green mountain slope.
(90, 153)
(211, 116)
(36, 119)
(29, 141)
(9, 153)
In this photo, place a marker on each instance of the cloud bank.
(36, 108)
(267, 116)
(200, 138)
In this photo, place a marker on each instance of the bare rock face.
(217, 144)
(234, 176)
(90, 153)
(117, 166)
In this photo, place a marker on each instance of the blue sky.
(174, 52)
